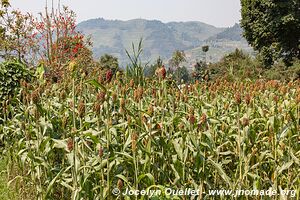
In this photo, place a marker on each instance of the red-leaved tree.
(59, 40)
(50, 39)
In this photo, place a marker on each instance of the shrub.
(11, 73)
(236, 66)
(240, 66)
(200, 72)
(280, 72)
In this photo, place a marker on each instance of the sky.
(220, 13)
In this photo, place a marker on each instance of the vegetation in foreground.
(83, 139)
(5, 192)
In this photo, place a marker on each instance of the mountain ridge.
(160, 39)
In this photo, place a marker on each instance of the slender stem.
(73, 140)
(135, 173)
(239, 145)
(108, 148)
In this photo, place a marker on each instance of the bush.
(181, 74)
(200, 72)
(236, 66)
(11, 73)
(280, 72)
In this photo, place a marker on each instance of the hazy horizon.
(220, 13)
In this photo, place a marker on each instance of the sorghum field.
(80, 139)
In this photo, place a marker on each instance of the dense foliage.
(11, 75)
(50, 40)
(273, 28)
(238, 66)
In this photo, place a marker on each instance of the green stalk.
(135, 173)
(275, 145)
(203, 170)
(74, 143)
(108, 146)
(239, 145)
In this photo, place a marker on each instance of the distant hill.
(232, 33)
(220, 44)
(160, 39)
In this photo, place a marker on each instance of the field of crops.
(81, 139)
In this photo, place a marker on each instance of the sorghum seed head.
(62, 94)
(158, 126)
(81, 109)
(78, 90)
(237, 98)
(97, 107)
(122, 103)
(129, 119)
(153, 93)
(181, 126)
(161, 72)
(101, 96)
(36, 113)
(120, 184)
(185, 99)
(109, 75)
(248, 99)
(226, 106)
(35, 96)
(282, 145)
(114, 97)
(131, 83)
(140, 92)
(245, 121)
(203, 118)
(23, 83)
(70, 144)
(100, 152)
(100, 79)
(150, 110)
(122, 110)
(276, 98)
(298, 99)
(135, 95)
(192, 118)
(134, 138)
(144, 118)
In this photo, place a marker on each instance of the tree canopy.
(273, 28)
(109, 62)
(177, 58)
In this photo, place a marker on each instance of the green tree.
(273, 28)
(150, 70)
(16, 34)
(178, 57)
(200, 72)
(109, 62)
(205, 50)
(181, 74)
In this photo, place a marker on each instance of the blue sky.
(221, 13)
